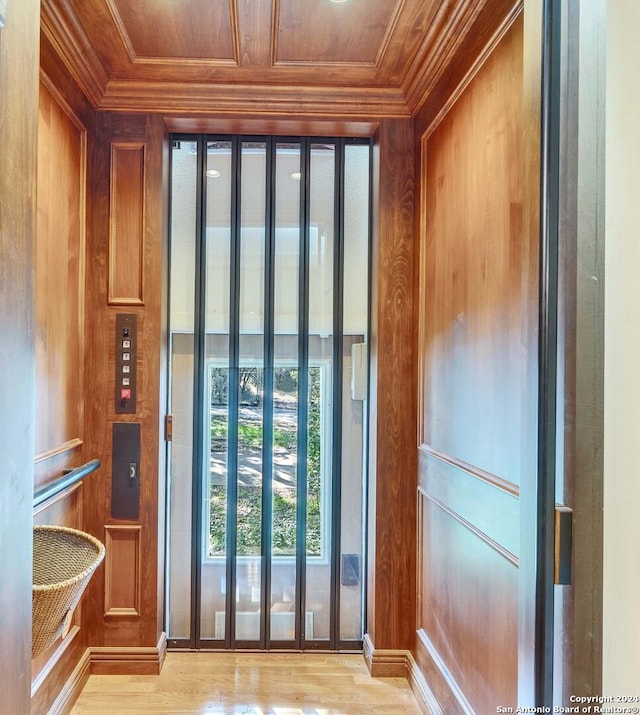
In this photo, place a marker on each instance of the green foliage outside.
(249, 521)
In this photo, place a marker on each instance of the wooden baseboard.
(384, 663)
(71, 690)
(129, 661)
(401, 664)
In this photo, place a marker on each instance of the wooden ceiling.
(354, 59)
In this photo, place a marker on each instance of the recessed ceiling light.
(213, 173)
(336, 1)
(296, 176)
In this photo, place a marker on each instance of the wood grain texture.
(61, 662)
(385, 663)
(60, 264)
(126, 224)
(472, 501)
(275, 127)
(18, 169)
(122, 571)
(63, 34)
(258, 100)
(64, 115)
(315, 33)
(236, 683)
(476, 296)
(65, 509)
(393, 466)
(189, 30)
(143, 631)
(70, 690)
(428, 96)
(56, 78)
(468, 616)
(473, 365)
(213, 57)
(129, 660)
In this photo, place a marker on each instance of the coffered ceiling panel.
(318, 32)
(316, 58)
(177, 29)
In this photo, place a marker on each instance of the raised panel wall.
(60, 346)
(126, 223)
(122, 571)
(127, 230)
(60, 263)
(475, 297)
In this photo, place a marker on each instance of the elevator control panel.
(126, 360)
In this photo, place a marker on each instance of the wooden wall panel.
(472, 301)
(126, 223)
(392, 449)
(60, 248)
(122, 571)
(65, 121)
(476, 296)
(148, 135)
(65, 509)
(467, 622)
(18, 168)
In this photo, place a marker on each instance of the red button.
(125, 394)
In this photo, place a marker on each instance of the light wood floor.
(252, 684)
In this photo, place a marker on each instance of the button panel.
(126, 358)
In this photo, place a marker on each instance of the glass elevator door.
(268, 328)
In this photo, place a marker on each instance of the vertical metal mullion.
(267, 434)
(199, 348)
(166, 625)
(365, 521)
(233, 392)
(548, 348)
(336, 452)
(303, 393)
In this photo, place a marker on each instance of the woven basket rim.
(100, 552)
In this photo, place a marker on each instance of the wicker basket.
(63, 562)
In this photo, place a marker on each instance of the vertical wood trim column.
(139, 137)
(391, 568)
(18, 139)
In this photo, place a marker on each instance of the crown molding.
(60, 26)
(449, 27)
(187, 99)
(453, 25)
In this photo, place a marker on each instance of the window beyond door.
(268, 333)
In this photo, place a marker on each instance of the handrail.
(69, 478)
